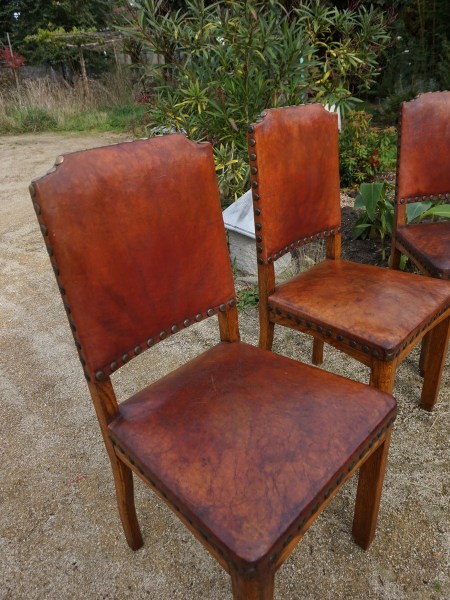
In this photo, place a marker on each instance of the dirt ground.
(60, 535)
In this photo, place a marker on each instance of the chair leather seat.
(429, 244)
(372, 308)
(210, 431)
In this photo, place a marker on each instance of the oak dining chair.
(245, 447)
(423, 175)
(374, 314)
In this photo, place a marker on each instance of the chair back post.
(399, 207)
(334, 246)
(228, 323)
(266, 286)
(106, 408)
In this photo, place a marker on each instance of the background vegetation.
(224, 62)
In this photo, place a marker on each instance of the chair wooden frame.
(382, 365)
(109, 214)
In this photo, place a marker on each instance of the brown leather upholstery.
(292, 201)
(424, 147)
(429, 245)
(247, 448)
(366, 307)
(246, 470)
(374, 314)
(128, 273)
(423, 174)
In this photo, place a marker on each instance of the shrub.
(364, 150)
(226, 62)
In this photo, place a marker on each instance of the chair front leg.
(260, 587)
(382, 375)
(368, 495)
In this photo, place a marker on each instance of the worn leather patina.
(118, 306)
(429, 245)
(424, 148)
(284, 200)
(362, 303)
(246, 468)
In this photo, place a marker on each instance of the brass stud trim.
(32, 190)
(162, 335)
(222, 308)
(137, 350)
(210, 312)
(198, 317)
(186, 322)
(99, 376)
(150, 342)
(252, 142)
(174, 328)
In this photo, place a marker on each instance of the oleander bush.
(223, 63)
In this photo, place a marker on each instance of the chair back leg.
(317, 353)
(434, 363)
(123, 480)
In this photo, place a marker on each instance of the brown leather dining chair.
(423, 174)
(375, 315)
(244, 446)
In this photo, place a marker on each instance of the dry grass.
(45, 105)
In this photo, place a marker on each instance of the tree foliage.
(22, 18)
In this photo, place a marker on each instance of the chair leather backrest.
(294, 163)
(137, 242)
(424, 147)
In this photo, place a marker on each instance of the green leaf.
(442, 210)
(372, 193)
(415, 209)
(359, 202)
(361, 230)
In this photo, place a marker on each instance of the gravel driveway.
(60, 535)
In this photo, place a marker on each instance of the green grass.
(37, 120)
(247, 297)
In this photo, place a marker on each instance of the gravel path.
(60, 536)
